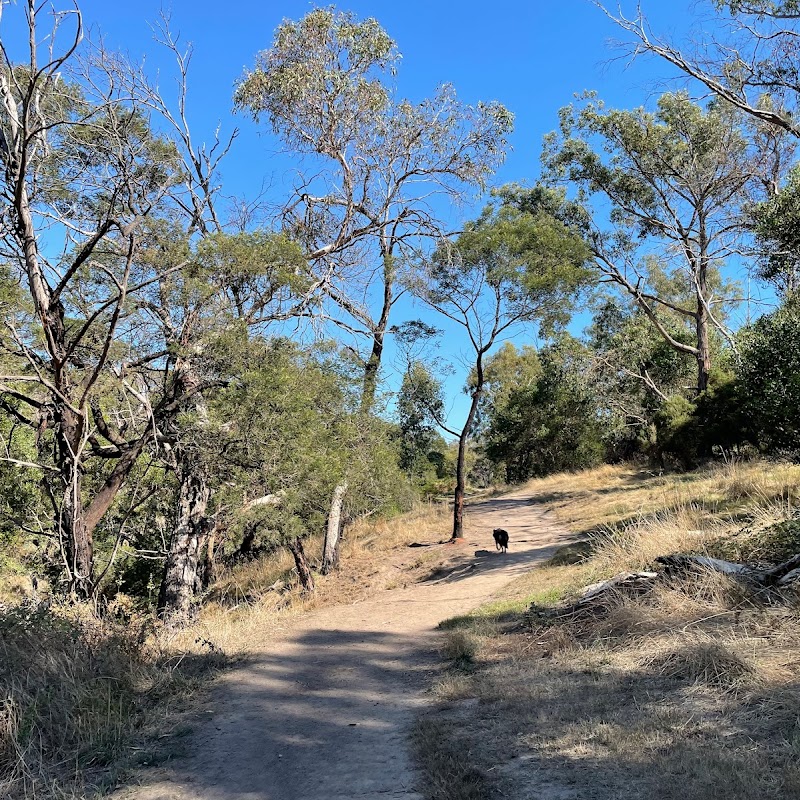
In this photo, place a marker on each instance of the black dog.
(500, 539)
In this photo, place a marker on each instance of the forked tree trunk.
(330, 553)
(180, 571)
(306, 578)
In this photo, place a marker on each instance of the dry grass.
(613, 494)
(690, 692)
(453, 773)
(702, 660)
(78, 693)
(460, 648)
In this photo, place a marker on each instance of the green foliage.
(552, 425)
(761, 8)
(326, 87)
(20, 492)
(506, 371)
(641, 158)
(769, 379)
(635, 369)
(251, 266)
(777, 225)
(510, 368)
(328, 56)
(690, 431)
(529, 255)
(667, 182)
(419, 405)
(774, 543)
(675, 430)
(287, 427)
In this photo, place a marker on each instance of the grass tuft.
(703, 660)
(450, 767)
(460, 648)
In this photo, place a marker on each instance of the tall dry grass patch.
(77, 693)
(637, 543)
(612, 494)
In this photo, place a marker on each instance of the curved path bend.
(324, 712)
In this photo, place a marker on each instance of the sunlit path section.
(324, 713)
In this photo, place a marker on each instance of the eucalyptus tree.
(418, 403)
(552, 423)
(193, 324)
(751, 63)
(133, 290)
(769, 381)
(80, 172)
(367, 199)
(673, 185)
(288, 437)
(635, 373)
(777, 226)
(507, 268)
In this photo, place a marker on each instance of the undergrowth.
(78, 695)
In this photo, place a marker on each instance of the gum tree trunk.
(330, 555)
(703, 322)
(209, 563)
(71, 523)
(461, 477)
(378, 331)
(180, 571)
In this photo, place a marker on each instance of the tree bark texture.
(179, 583)
(71, 523)
(702, 329)
(330, 554)
(378, 330)
(306, 578)
(209, 572)
(371, 370)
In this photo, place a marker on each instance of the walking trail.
(324, 712)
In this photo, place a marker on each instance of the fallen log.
(628, 581)
(782, 570)
(681, 563)
(600, 595)
(790, 577)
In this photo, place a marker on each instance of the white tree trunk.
(330, 555)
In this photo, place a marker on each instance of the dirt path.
(324, 712)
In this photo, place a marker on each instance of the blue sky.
(531, 56)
